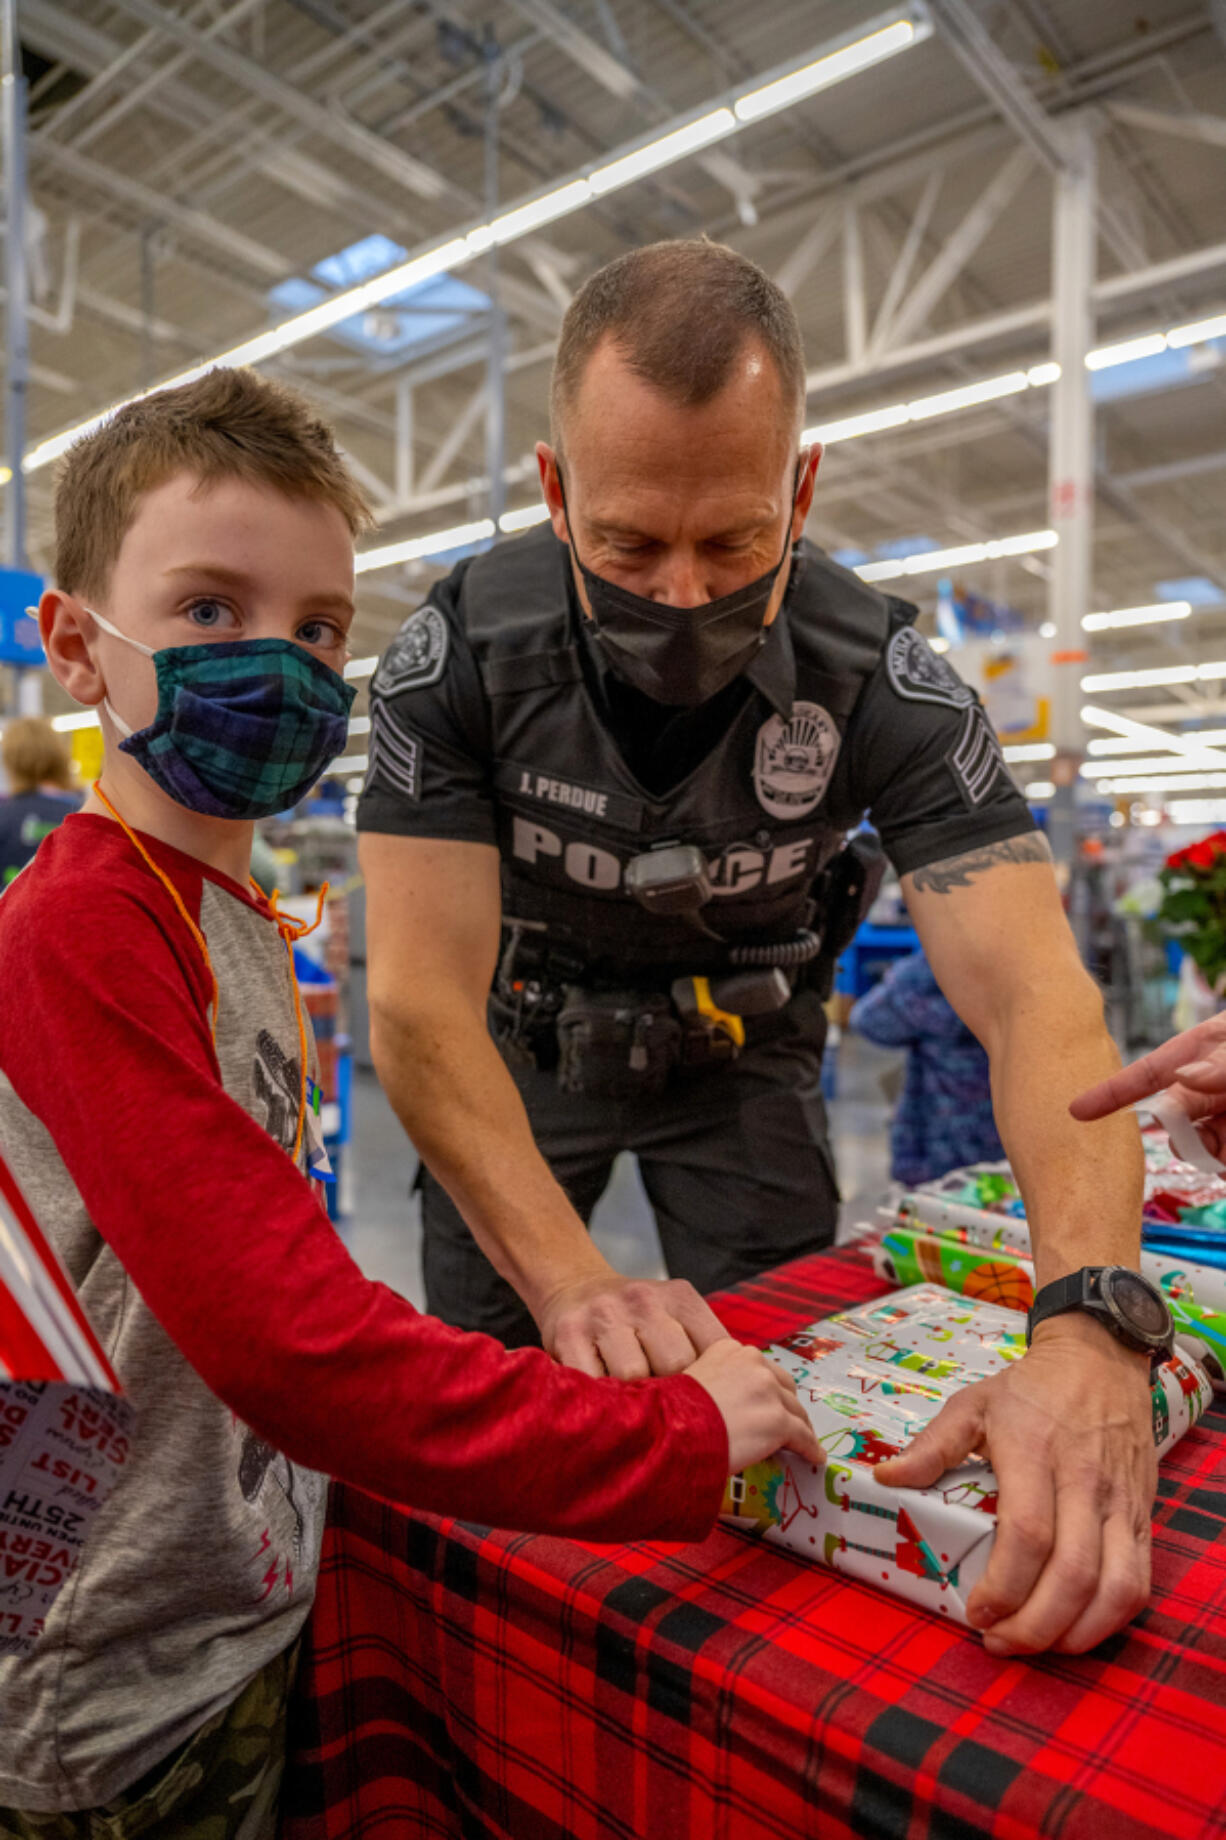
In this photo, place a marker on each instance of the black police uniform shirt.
(494, 720)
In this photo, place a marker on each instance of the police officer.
(613, 766)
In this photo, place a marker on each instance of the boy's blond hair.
(229, 424)
(35, 755)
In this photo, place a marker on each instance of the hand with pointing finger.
(1189, 1071)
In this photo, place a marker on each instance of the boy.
(153, 1105)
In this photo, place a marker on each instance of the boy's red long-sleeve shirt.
(157, 1162)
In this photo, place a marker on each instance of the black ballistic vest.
(571, 815)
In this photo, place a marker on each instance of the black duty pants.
(735, 1160)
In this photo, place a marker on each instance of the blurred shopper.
(42, 790)
(944, 1115)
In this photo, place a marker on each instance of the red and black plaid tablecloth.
(463, 1682)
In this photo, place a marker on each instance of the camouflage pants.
(221, 1785)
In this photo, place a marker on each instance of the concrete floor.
(384, 1229)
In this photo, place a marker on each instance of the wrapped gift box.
(870, 1379)
(968, 1230)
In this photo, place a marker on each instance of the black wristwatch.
(1130, 1306)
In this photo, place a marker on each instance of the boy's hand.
(758, 1403)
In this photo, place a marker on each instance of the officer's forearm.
(451, 1091)
(1082, 1183)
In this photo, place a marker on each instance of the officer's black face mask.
(678, 655)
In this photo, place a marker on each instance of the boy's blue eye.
(208, 613)
(320, 632)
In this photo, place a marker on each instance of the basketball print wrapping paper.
(64, 1432)
(968, 1230)
(870, 1379)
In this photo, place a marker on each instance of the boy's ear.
(64, 627)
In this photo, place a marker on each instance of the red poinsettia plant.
(1193, 904)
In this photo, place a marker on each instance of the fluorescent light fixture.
(358, 725)
(663, 152)
(525, 217)
(1047, 630)
(361, 667)
(277, 338)
(1138, 680)
(523, 519)
(1128, 744)
(1162, 674)
(939, 644)
(1148, 345)
(1094, 769)
(1198, 332)
(459, 536)
(948, 402)
(1029, 750)
(1137, 616)
(784, 91)
(930, 561)
(1145, 736)
(1040, 789)
(86, 718)
(1039, 376)
(852, 426)
(351, 763)
(1167, 782)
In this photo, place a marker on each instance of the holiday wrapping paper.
(870, 1379)
(968, 1230)
(64, 1432)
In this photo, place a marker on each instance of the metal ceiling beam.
(158, 207)
(995, 75)
(1207, 129)
(53, 32)
(1173, 470)
(962, 243)
(333, 125)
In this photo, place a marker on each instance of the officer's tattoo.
(960, 871)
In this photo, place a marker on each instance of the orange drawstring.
(175, 896)
(288, 926)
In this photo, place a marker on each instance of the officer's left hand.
(628, 1327)
(1068, 1432)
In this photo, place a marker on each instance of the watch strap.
(1067, 1293)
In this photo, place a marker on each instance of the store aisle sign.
(19, 640)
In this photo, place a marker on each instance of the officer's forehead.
(619, 422)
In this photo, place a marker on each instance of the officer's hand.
(1068, 1432)
(758, 1403)
(628, 1327)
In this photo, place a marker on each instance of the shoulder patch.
(977, 759)
(417, 655)
(793, 760)
(917, 672)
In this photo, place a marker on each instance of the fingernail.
(1195, 1069)
(984, 1617)
(996, 1645)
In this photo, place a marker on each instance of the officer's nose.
(680, 583)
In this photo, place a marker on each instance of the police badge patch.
(416, 656)
(793, 760)
(917, 673)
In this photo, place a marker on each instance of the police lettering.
(735, 872)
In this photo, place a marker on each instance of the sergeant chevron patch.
(977, 758)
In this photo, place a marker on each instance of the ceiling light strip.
(842, 57)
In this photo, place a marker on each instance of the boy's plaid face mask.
(244, 727)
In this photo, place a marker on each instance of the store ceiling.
(189, 162)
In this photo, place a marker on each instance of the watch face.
(1138, 1305)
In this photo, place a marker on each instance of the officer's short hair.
(681, 312)
(228, 424)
